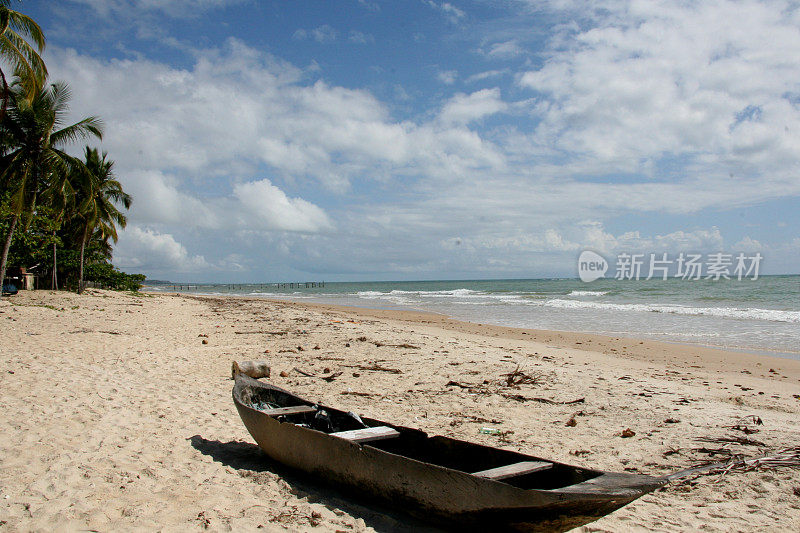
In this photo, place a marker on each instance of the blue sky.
(422, 139)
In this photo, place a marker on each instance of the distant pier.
(303, 284)
(247, 286)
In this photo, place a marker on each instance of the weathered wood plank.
(293, 410)
(516, 469)
(367, 434)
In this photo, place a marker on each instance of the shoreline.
(782, 353)
(645, 350)
(564, 334)
(118, 412)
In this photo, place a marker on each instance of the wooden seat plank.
(367, 434)
(512, 470)
(293, 410)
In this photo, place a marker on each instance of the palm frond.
(60, 94)
(119, 196)
(28, 65)
(27, 51)
(24, 25)
(90, 126)
(58, 164)
(21, 42)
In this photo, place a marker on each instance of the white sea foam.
(442, 293)
(457, 296)
(771, 315)
(461, 293)
(395, 297)
(587, 293)
(371, 294)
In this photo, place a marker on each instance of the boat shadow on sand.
(250, 461)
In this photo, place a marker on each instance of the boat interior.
(504, 466)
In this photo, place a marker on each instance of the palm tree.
(31, 159)
(17, 52)
(97, 198)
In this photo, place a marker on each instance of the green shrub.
(106, 276)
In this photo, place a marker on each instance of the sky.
(425, 139)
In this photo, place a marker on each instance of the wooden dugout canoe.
(448, 481)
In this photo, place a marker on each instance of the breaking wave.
(771, 315)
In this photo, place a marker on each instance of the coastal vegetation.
(58, 212)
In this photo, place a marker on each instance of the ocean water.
(752, 315)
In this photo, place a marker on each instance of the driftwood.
(331, 377)
(254, 369)
(482, 389)
(327, 378)
(457, 384)
(474, 418)
(404, 345)
(554, 402)
(521, 398)
(732, 440)
(377, 368)
(261, 332)
(518, 377)
(788, 457)
(743, 424)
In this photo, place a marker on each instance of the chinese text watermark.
(688, 266)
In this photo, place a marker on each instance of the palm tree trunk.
(6, 247)
(5, 95)
(83, 247)
(54, 283)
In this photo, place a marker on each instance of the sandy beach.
(117, 414)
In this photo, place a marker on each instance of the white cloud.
(748, 244)
(592, 235)
(504, 50)
(489, 74)
(269, 207)
(701, 239)
(256, 205)
(649, 79)
(465, 108)
(146, 249)
(238, 108)
(537, 249)
(370, 6)
(323, 34)
(595, 237)
(300, 34)
(360, 37)
(451, 12)
(555, 241)
(170, 7)
(513, 246)
(159, 200)
(448, 77)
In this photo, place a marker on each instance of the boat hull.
(447, 496)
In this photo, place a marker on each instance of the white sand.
(115, 416)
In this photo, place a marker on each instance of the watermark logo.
(687, 266)
(591, 266)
